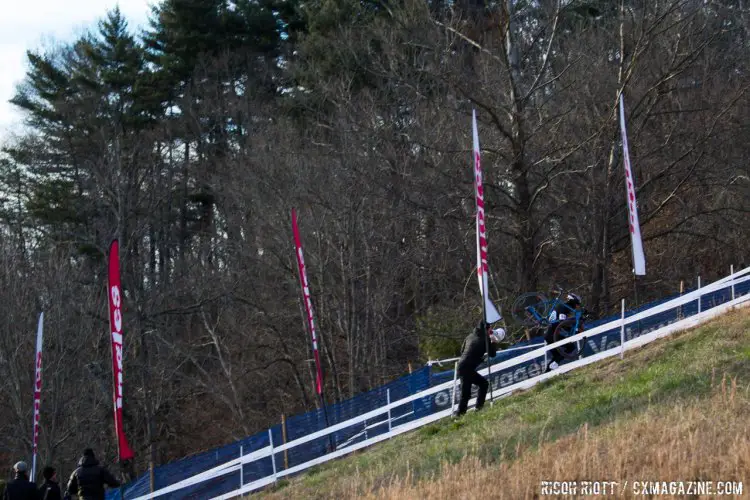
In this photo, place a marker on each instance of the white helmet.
(497, 335)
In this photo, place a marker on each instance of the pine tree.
(85, 100)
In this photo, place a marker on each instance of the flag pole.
(484, 320)
(634, 225)
(307, 300)
(637, 302)
(487, 346)
(331, 447)
(482, 269)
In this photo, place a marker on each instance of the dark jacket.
(561, 312)
(473, 350)
(88, 480)
(21, 489)
(50, 490)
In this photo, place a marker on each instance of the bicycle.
(533, 310)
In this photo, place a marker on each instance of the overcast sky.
(35, 24)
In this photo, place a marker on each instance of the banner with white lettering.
(482, 266)
(37, 393)
(308, 303)
(639, 259)
(114, 293)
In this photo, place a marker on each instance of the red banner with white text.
(114, 293)
(308, 303)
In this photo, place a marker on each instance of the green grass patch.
(675, 369)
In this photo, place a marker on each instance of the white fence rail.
(395, 429)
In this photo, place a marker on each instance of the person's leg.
(483, 386)
(463, 403)
(554, 354)
(549, 333)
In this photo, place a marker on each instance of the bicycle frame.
(544, 321)
(537, 315)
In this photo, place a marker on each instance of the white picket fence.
(395, 429)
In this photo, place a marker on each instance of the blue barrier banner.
(297, 426)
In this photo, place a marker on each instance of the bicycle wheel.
(530, 308)
(563, 331)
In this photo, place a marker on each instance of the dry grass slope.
(676, 410)
(708, 440)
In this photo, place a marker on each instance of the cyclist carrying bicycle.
(560, 313)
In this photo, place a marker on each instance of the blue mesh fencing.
(297, 426)
(305, 424)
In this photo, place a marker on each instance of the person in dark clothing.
(50, 490)
(20, 488)
(89, 479)
(560, 313)
(472, 354)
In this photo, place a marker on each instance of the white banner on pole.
(639, 259)
(482, 267)
(37, 393)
